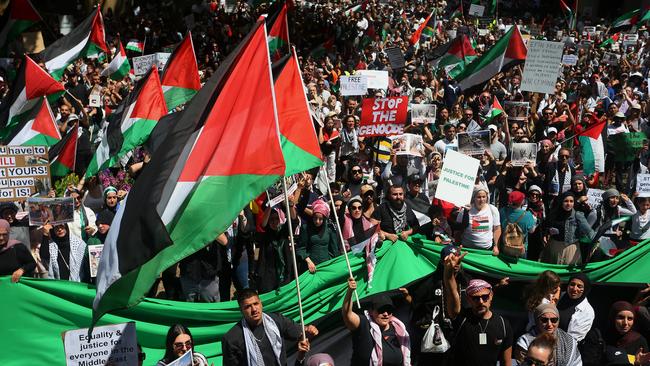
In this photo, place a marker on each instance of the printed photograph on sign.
(516, 111)
(275, 193)
(408, 144)
(610, 58)
(50, 210)
(523, 153)
(395, 57)
(94, 253)
(423, 114)
(474, 143)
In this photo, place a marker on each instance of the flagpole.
(575, 18)
(144, 44)
(293, 255)
(338, 227)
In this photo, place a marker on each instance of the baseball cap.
(365, 189)
(382, 301)
(516, 197)
(619, 115)
(551, 130)
(415, 178)
(492, 127)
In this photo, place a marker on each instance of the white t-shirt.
(478, 234)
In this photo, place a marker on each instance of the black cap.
(415, 178)
(382, 301)
(616, 356)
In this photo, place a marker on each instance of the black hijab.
(567, 306)
(63, 245)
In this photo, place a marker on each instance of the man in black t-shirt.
(482, 337)
(396, 220)
(376, 335)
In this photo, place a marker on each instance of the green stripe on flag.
(588, 160)
(296, 159)
(39, 140)
(176, 96)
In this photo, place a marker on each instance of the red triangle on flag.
(595, 128)
(516, 46)
(38, 82)
(181, 69)
(151, 101)
(44, 122)
(97, 33)
(24, 10)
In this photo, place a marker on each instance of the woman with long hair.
(545, 290)
(178, 342)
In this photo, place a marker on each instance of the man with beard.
(482, 337)
(395, 219)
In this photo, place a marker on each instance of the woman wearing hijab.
(110, 199)
(611, 208)
(318, 242)
(620, 333)
(355, 224)
(576, 314)
(579, 189)
(15, 259)
(272, 268)
(547, 319)
(64, 253)
(564, 229)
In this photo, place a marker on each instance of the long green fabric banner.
(34, 312)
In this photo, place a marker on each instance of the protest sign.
(643, 185)
(161, 59)
(142, 64)
(354, 85)
(114, 344)
(594, 197)
(377, 79)
(476, 10)
(542, 66)
(523, 153)
(570, 60)
(95, 100)
(275, 193)
(630, 39)
(395, 57)
(94, 253)
(610, 58)
(383, 116)
(408, 144)
(52, 210)
(482, 32)
(423, 113)
(516, 111)
(452, 33)
(24, 171)
(474, 143)
(456, 183)
(589, 30)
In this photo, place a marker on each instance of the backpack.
(513, 239)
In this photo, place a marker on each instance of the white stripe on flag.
(25, 134)
(64, 59)
(422, 218)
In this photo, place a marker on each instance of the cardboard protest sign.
(24, 171)
(542, 66)
(456, 183)
(476, 10)
(94, 254)
(395, 57)
(474, 143)
(423, 113)
(570, 60)
(116, 344)
(523, 153)
(353, 85)
(516, 111)
(383, 116)
(594, 197)
(377, 79)
(610, 58)
(275, 193)
(643, 185)
(51, 210)
(408, 144)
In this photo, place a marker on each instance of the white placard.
(630, 39)
(377, 79)
(354, 85)
(142, 64)
(161, 59)
(482, 32)
(542, 66)
(95, 100)
(115, 343)
(590, 30)
(423, 113)
(476, 10)
(456, 183)
(185, 360)
(594, 197)
(570, 60)
(643, 185)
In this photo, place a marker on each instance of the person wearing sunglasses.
(547, 321)
(178, 342)
(356, 227)
(557, 177)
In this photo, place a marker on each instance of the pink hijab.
(4, 224)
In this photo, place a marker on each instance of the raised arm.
(350, 318)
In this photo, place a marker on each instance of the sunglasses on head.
(545, 320)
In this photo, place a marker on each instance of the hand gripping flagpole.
(293, 255)
(338, 227)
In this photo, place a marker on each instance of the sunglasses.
(385, 309)
(355, 208)
(564, 156)
(181, 345)
(483, 298)
(545, 320)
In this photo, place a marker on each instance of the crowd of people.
(541, 210)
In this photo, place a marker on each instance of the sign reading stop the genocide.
(383, 116)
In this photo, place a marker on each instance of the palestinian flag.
(496, 110)
(222, 154)
(323, 49)
(611, 40)
(135, 46)
(86, 40)
(366, 244)
(507, 52)
(31, 84)
(119, 66)
(298, 138)
(627, 19)
(457, 13)
(131, 124)
(180, 79)
(646, 16)
(37, 129)
(569, 14)
(420, 208)
(593, 149)
(63, 155)
(425, 31)
(278, 34)
(459, 54)
(20, 17)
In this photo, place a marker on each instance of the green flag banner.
(624, 146)
(34, 312)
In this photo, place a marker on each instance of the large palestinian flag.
(627, 20)
(131, 124)
(19, 18)
(222, 154)
(31, 84)
(297, 135)
(63, 155)
(278, 34)
(86, 40)
(180, 79)
(119, 66)
(38, 129)
(458, 56)
(508, 51)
